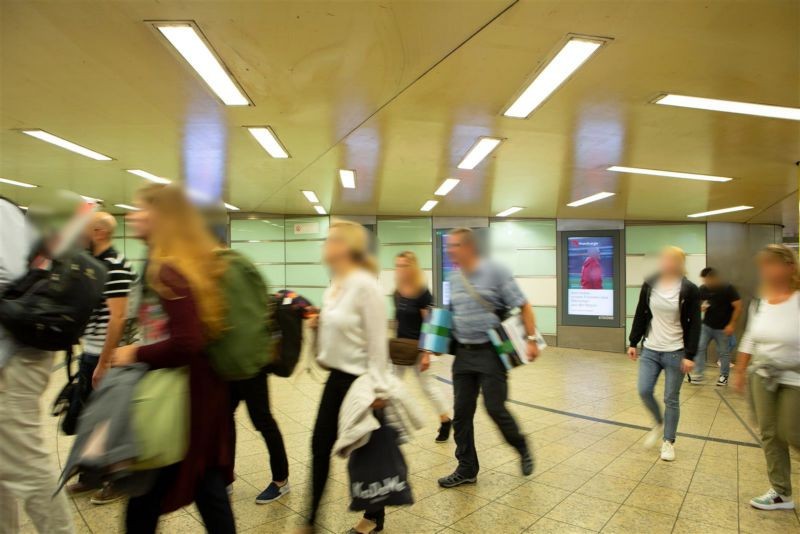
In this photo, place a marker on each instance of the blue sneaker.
(272, 493)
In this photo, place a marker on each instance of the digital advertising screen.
(591, 261)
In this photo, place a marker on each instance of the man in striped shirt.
(107, 323)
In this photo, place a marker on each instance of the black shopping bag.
(378, 473)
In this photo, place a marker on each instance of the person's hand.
(124, 356)
(378, 404)
(99, 372)
(739, 381)
(313, 321)
(632, 354)
(687, 366)
(424, 361)
(729, 329)
(533, 350)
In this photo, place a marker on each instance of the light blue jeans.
(651, 363)
(723, 349)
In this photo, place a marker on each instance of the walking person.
(771, 348)
(722, 306)
(352, 341)
(668, 320)
(182, 308)
(480, 291)
(412, 301)
(104, 331)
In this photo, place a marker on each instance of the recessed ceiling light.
(571, 56)
(482, 148)
(311, 196)
(268, 141)
(509, 211)
(429, 205)
(447, 186)
(587, 200)
(671, 174)
(127, 207)
(348, 178)
(149, 176)
(23, 208)
(718, 212)
(16, 183)
(320, 210)
(68, 145)
(729, 106)
(191, 45)
(91, 199)
(230, 207)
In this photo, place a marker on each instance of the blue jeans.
(723, 349)
(651, 363)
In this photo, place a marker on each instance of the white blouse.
(353, 329)
(773, 336)
(665, 333)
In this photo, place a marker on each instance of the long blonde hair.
(783, 254)
(356, 239)
(419, 276)
(179, 238)
(677, 253)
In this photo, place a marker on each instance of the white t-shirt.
(773, 336)
(665, 333)
(353, 328)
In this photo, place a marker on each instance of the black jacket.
(690, 316)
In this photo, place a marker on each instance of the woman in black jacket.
(668, 320)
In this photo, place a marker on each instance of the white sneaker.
(667, 451)
(771, 500)
(654, 437)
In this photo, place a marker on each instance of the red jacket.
(591, 274)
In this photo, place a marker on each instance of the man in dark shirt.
(722, 306)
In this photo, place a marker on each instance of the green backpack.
(245, 346)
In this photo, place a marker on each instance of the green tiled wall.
(271, 252)
(258, 229)
(516, 234)
(387, 253)
(546, 319)
(650, 239)
(417, 230)
(631, 299)
(528, 262)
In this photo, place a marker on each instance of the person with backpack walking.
(182, 310)
(668, 320)
(769, 358)
(412, 301)
(106, 326)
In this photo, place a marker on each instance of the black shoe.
(527, 463)
(444, 432)
(456, 479)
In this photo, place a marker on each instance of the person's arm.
(529, 320)
(639, 323)
(372, 308)
(747, 348)
(512, 296)
(118, 314)
(691, 338)
(730, 328)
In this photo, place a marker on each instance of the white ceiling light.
(127, 207)
(149, 176)
(482, 148)
(23, 208)
(68, 145)
(268, 141)
(429, 205)
(729, 106)
(320, 210)
(91, 199)
(587, 200)
(718, 212)
(190, 44)
(16, 183)
(670, 174)
(230, 207)
(348, 178)
(509, 211)
(573, 54)
(447, 186)
(311, 196)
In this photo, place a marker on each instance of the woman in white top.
(352, 338)
(772, 341)
(668, 320)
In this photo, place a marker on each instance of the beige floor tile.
(549, 526)
(710, 510)
(181, 524)
(719, 485)
(721, 450)
(682, 526)
(565, 477)
(495, 516)
(609, 488)
(590, 460)
(630, 520)
(401, 520)
(534, 497)
(492, 485)
(447, 507)
(760, 521)
(583, 511)
(628, 468)
(656, 499)
(669, 476)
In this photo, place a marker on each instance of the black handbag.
(403, 351)
(70, 401)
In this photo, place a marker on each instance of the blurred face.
(335, 249)
(670, 264)
(711, 280)
(140, 222)
(403, 270)
(774, 272)
(459, 249)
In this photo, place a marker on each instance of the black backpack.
(49, 309)
(288, 310)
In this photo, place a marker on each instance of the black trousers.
(476, 369)
(255, 393)
(211, 498)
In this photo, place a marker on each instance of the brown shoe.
(78, 488)
(107, 495)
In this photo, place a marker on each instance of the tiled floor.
(582, 414)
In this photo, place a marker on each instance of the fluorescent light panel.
(509, 211)
(447, 186)
(16, 183)
(729, 106)
(670, 174)
(190, 44)
(68, 145)
(268, 141)
(311, 196)
(320, 210)
(587, 200)
(718, 212)
(482, 148)
(230, 207)
(91, 199)
(429, 205)
(348, 178)
(573, 54)
(127, 207)
(149, 176)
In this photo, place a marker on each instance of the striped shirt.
(120, 279)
